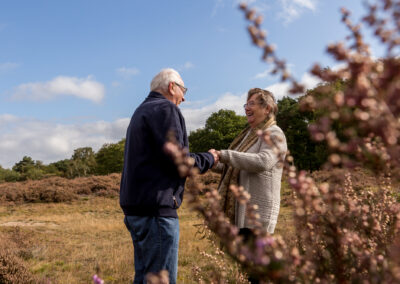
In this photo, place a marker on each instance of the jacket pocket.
(166, 198)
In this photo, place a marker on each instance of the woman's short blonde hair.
(266, 99)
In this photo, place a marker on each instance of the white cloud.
(116, 84)
(339, 66)
(260, 5)
(309, 4)
(281, 90)
(196, 117)
(292, 9)
(218, 4)
(186, 66)
(310, 81)
(127, 72)
(6, 120)
(4, 67)
(267, 73)
(50, 142)
(264, 74)
(222, 29)
(84, 88)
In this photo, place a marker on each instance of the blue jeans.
(155, 243)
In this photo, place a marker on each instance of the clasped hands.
(216, 154)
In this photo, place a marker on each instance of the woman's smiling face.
(255, 112)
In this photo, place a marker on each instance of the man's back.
(151, 188)
(150, 183)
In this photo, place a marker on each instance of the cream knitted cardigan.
(260, 175)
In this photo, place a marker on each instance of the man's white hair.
(162, 79)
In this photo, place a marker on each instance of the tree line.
(219, 131)
(84, 162)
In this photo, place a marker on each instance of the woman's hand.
(216, 154)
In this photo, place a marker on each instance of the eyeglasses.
(250, 104)
(184, 90)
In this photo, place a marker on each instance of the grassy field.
(69, 242)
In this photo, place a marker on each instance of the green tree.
(110, 158)
(82, 163)
(307, 154)
(27, 168)
(323, 95)
(220, 130)
(295, 122)
(51, 170)
(24, 165)
(59, 168)
(2, 173)
(7, 175)
(34, 173)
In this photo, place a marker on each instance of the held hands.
(216, 154)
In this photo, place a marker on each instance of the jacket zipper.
(175, 202)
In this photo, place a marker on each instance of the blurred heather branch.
(343, 234)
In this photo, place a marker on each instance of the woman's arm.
(218, 168)
(264, 160)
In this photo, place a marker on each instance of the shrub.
(12, 267)
(347, 231)
(57, 189)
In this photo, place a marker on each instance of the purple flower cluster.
(97, 280)
(344, 234)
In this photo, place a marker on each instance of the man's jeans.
(155, 242)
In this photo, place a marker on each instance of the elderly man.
(151, 188)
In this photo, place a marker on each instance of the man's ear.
(171, 88)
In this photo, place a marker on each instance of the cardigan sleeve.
(264, 160)
(218, 168)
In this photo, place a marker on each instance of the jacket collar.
(156, 95)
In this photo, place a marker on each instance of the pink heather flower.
(97, 280)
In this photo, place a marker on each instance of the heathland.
(64, 231)
(59, 230)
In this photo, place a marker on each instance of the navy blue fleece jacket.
(150, 183)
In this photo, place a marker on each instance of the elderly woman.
(254, 164)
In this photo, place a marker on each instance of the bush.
(12, 267)
(347, 231)
(9, 175)
(57, 189)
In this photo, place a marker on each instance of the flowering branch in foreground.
(343, 234)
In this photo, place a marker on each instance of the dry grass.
(69, 242)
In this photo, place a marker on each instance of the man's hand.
(216, 155)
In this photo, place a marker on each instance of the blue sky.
(72, 72)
